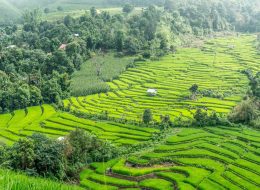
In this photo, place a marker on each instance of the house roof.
(61, 139)
(151, 91)
(63, 46)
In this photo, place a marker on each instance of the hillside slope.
(215, 68)
(213, 158)
(8, 11)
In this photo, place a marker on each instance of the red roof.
(63, 46)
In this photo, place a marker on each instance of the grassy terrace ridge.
(216, 66)
(45, 119)
(217, 163)
(15, 181)
(195, 158)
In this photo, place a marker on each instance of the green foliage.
(158, 184)
(86, 148)
(244, 112)
(201, 118)
(203, 158)
(37, 155)
(172, 75)
(128, 8)
(22, 155)
(50, 160)
(18, 181)
(86, 81)
(60, 8)
(255, 85)
(147, 116)
(193, 89)
(248, 111)
(59, 159)
(46, 10)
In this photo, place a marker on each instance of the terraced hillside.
(44, 119)
(216, 67)
(209, 158)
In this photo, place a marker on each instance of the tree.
(147, 116)
(201, 117)
(68, 20)
(60, 8)
(22, 96)
(193, 89)
(128, 8)
(245, 112)
(255, 85)
(93, 12)
(50, 159)
(72, 48)
(36, 96)
(31, 19)
(98, 63)
(46, 10)
(51, 91)
(132, 45)
(22, 154)
(87, 148)
(119, 40)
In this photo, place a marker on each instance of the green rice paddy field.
(207, 158)
(217, 67)
(54, 124)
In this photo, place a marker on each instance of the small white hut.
(11, 46)
(152, 92)
(61, 138)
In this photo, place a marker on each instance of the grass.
(195, 158)
(198, 162)
(79, 10)
(87, 81)
(15, 181)
(125, 96)
(45, 119)
(157, 184)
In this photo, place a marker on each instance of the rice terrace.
(130, 95)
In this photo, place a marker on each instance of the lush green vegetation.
(41, 55)
(91, 78)
(60, 158)
(44, 119)
(209, 158)
(15, 181)
(216, 68)
(143, 96)
(224, 157)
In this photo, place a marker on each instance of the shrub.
(87, 148)
(147, 116)
(202, 118)
(211, 93)
(245, 112)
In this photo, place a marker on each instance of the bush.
(245, 112)
(147, 116)
(211, 93)
(58, 159)
(87, 148)
(128, 8)
(202, 118)
(60, 8)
